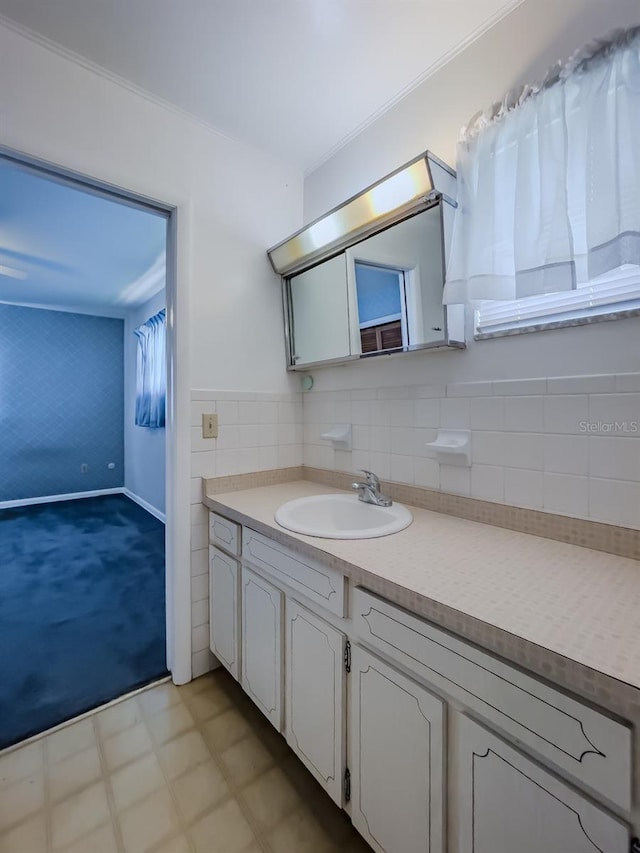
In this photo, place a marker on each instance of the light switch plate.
(210, 426)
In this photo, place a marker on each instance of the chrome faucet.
(369, 491)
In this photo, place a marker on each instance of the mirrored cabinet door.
(320, 313)
(397, 277)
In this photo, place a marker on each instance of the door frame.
(177, 432)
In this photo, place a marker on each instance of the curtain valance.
(549, 181)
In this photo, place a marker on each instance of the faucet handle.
(371, 478)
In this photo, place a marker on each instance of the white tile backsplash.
(581, 384)
(566, 454)
(487, 483)
(455, 413)
(200, 613)
(199, 562)
(566, 494)
(524, 414)
(519, 387)
(614, 501)
(628, 382)
(522, 450)
(199, 536)
(568, 445)
(426, 413)
(199, 637)
(565, 414)
(455, 479)
(620, 412)
(402, 468)
(613, 457)
(427, 473)
(199, 588)
(523, 488)
(256, 432)
(488, 413)
(537, 443)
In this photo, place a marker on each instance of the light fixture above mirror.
(424, 178)
(367, 278)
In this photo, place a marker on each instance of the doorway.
(91, 539)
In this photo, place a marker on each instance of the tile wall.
(257, 432)
(567, 445)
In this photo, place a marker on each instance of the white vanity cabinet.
(262, 647)
(430, 743)
(224, 580)
(315, 695)
(506, 802)
(396, 759)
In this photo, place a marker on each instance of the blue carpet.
(82, 609)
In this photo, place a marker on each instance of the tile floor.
(171, 770)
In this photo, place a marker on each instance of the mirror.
(320, 312)
(398, 278)
(382, 295)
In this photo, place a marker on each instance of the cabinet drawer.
(582, 743)
(309, 577)
(224, 533)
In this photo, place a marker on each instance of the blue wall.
(61, 402)
(378, 292)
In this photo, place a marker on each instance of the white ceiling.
(294, 77)
(66, 248)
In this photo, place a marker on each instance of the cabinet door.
(262, 645)
(505, 801)
(396, 759)
(223, 609)
(320, 313)
(314, 691)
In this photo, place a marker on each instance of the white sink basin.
(342, 517)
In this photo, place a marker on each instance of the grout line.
(106, 779)
(184, 827)
(47, 799)
(235, 789)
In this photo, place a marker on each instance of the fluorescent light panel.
(356, 216)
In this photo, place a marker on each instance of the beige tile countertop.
(580, 604)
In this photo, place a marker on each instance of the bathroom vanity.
(437, 729)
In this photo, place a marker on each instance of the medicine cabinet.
(367, 278)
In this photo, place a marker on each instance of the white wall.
(537, 440)
(144, 449)
(518, 49)
(233, 202)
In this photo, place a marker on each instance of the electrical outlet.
(209, 426)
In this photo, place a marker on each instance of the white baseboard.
(72, 496)
(145, 505)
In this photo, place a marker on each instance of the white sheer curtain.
(151, 376)
(549, 187)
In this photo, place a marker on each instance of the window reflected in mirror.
(381, 307)
(380, 295)
(398, 277)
